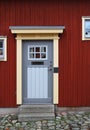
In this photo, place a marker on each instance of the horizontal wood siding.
(74, 54)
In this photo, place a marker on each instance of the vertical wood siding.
(74, 54)
(37, 82)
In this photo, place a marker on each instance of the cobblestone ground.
(63, 121)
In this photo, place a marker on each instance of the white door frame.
(38, 33)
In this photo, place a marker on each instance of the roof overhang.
(37, 29)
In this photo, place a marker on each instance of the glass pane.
(31, 55)
(1, 44)
(31, 49)
(43, 55)
(43, 49)
(37, 55)
(87, 24)
(37, 49)
(1, 51)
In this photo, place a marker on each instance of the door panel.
(37, 71)
(39, 88)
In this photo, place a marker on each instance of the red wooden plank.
(74, 54)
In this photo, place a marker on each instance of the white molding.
(37, 34)
(55, 88)
(36, 31)
(55, 53)
(19, 72)
(19, 68)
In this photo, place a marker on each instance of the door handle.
(49, 69)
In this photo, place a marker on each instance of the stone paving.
(63, 121)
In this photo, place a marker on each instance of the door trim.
(37, 36)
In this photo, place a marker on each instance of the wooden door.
(37, 71)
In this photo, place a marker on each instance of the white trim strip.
(55, 88)
(19, 72)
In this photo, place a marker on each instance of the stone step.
(36, 116)
(36, 109)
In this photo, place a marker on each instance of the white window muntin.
(86, 28)
(40, 52)
(3, 56)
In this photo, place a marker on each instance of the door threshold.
(37, 104)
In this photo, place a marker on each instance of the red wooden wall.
(74, 54)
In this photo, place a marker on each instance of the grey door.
(37, 73)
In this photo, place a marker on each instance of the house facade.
(45, 53)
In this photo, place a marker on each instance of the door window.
(37, 52)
